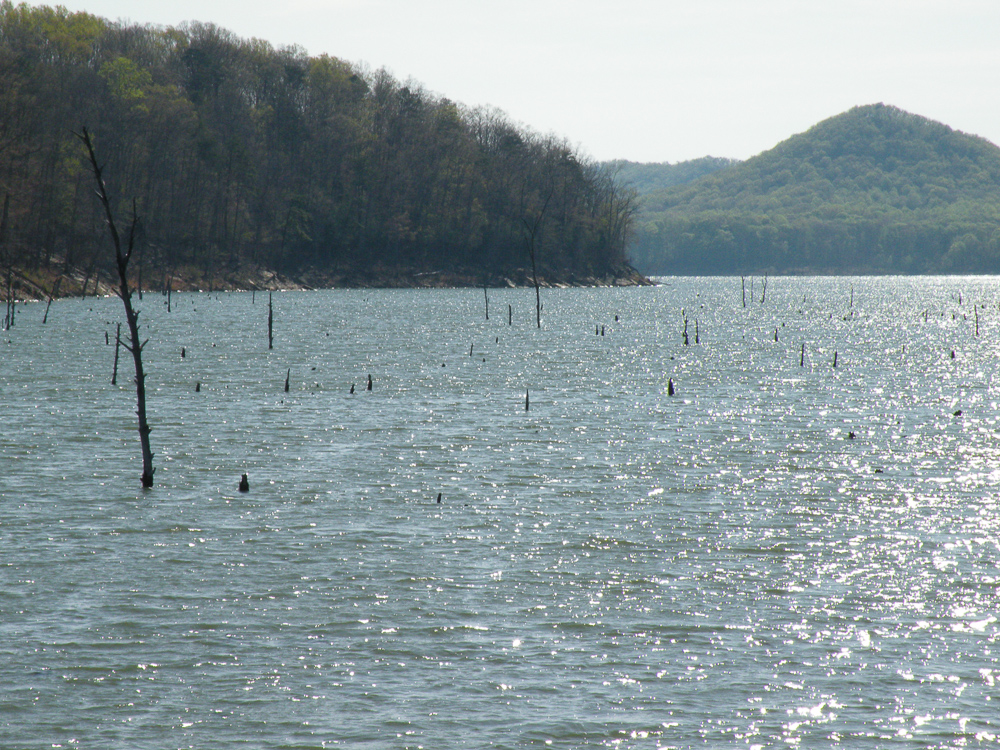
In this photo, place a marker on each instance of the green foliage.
(872, 190)
(238, 151)
(651, 178)
(127, 82)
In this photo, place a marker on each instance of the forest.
(873, 190)
(237, 154)
(653, 177)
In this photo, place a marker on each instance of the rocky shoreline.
(42, 284)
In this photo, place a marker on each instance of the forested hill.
(241, 154)
(652, 177)
(872, 190)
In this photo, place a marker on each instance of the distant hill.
(652, 177)
(873, 190)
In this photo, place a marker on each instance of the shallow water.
(613, 568)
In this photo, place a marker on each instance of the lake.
(783, 553)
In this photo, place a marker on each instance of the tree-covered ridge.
(652, 177)
(872, 190)
(237, 152)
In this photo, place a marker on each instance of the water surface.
(781, 554)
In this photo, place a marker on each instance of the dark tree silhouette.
(135, 346)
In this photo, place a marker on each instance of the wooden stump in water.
(118, 344)
(270, 323)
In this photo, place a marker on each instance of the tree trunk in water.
(135, 346)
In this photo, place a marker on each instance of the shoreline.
(42, 284)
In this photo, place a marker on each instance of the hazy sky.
(647, 80)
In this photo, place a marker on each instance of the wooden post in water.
(510, 315)
(288, 376)
(834, 359)
(487, 298)
(118, 343)
(527, 401)
(8, 321)
(802, 356)
(977, 319)
(743, 284)
(270, 322)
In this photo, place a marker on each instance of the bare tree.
(134, 347)
(532, 223)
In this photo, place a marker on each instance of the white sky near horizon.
(646, 80)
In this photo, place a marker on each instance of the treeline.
(873, 190)
(735, 243)
(651, 177)
(236, 152)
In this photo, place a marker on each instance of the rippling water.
(778, 555)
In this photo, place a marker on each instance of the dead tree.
(270, 323)
(8, 320)
(52, 294)
(134, 345)
(532, 225)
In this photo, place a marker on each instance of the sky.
(646, 80)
